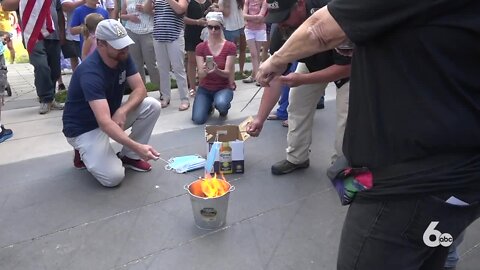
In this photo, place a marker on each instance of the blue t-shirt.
(79, 14)
(93, 80)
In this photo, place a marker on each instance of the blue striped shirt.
(167, 25)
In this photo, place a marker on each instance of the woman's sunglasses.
(216, 27)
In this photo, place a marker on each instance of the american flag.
(37, 22)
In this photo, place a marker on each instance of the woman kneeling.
(216, 70)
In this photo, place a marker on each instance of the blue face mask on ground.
(185, 164)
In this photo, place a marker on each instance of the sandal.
(191, 92)
(285, 123)
(184, 106)
(274, 117)
(164, 103)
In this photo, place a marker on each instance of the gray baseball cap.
(113, 32)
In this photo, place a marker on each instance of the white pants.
(301, 110)
(99, 156)
(171, 53)
(142, 52)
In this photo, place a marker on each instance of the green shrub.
(61, 96)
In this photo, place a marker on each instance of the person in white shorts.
(255, 32)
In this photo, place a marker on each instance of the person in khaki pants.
(307, 88)
(309, 81)
(303, 100)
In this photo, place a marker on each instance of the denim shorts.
(233, 35)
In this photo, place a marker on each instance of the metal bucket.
(209, 213)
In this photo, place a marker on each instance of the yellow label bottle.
(225, 158)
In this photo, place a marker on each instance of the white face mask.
(185, 164)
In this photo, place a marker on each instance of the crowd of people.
(164, 33)
(391, 106)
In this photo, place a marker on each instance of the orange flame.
(210, 187)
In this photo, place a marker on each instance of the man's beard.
(119, 57)
(122, 57)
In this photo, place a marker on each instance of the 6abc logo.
(443, 239)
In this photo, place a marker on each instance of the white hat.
(215, 16)
(113, 32)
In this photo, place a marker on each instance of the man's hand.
(292, 80)
(119, 117)
(147, 152)
(269, 70)
(254, 128)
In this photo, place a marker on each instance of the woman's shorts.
(257, 35)
(233, 35)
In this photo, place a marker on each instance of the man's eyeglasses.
(216, 27)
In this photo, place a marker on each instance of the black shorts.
(71, 49)
(192, 38)
(190, 45)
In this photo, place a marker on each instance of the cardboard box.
(234, 136)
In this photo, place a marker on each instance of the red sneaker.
(138, 165)
(77, 161)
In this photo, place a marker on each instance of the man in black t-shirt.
(414, 122)
(308, 81)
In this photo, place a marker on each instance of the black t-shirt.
(195, 10)
(414, 110)
(315, 62)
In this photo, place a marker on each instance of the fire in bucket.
(209, 197)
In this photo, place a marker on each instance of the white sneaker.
(56, 106)
(250, 79)
(44, 108)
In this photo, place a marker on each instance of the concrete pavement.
(55, 217)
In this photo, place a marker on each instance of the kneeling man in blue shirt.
(94, 111)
